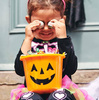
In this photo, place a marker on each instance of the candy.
(37, 50)
(29, 52)
(41, 24)
(50, 24)
(40, 52)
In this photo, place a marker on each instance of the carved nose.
(42, 72)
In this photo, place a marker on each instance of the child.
(47, 25)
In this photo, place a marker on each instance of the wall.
(12, 25)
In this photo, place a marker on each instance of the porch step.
(10, 80)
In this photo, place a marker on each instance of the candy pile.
(41, 52)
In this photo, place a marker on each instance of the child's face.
(45, 15)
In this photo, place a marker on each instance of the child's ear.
(28, 19)
(64, 17)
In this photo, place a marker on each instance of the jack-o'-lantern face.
(43, 72)
(40, 75)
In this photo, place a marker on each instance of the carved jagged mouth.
(44, 81)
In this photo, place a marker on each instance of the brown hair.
(34, 5)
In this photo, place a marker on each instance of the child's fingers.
(57, 23)
(60, 27)
(31, 28)
(54, 22)
(62, 20)
(34, 25)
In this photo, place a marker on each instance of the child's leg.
(61, 94)
(44, 96)
(31, 96)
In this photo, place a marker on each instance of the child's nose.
(46, 27)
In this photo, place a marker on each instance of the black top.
(64, 45)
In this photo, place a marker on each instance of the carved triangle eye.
(33, 68)
(50, 67)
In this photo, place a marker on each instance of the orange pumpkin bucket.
(43, 72)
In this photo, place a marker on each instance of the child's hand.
(30, 30)
(30, 33)
(60, 28)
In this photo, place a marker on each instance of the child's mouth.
(46, 34)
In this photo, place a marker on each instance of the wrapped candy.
(50, 24)
(41, 24)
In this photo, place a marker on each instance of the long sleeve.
(70, 62)
(19, 65)
(64, 45)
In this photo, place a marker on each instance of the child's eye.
(50, 67)
(33, 68)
